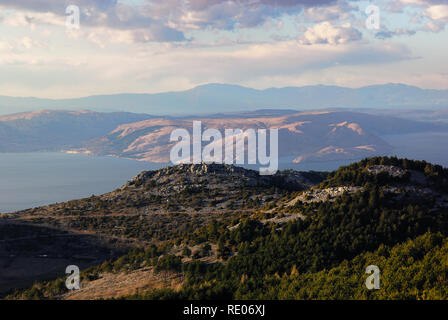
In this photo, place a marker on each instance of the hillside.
(53, 130)
(303, 238)
(304, 136)
(154, 207)
(30, 253)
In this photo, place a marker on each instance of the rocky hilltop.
(219, 176)
(153, 207)
(144, 207)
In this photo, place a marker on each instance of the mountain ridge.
(303, 136)
(215, 97)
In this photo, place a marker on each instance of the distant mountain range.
(216, 98)
(303, 136)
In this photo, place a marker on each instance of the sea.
(33, 179)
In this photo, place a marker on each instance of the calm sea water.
(33, 179)
(430, 146)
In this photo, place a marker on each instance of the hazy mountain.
(434, 115)
(54, 130)
(305, 136)
(213, 98)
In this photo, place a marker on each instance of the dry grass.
(124, 284)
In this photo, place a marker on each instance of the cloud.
(338, 11)
(204, 4)
(176, 16)
(260, 60)
(434, 26)
(158, 68)
(437, 12)
(164, 45)
(21, 44)
(386, 34)
(226, 14)
(432, 15)
(188, 15)
(94, 15)
(438, 17)
(327, 33)
(399, 5)
(31, 19)
(216, 14)
(103, 36)
(5, 46)
(57, 6)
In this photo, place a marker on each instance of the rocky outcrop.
(220, 176)
(393, 171)
(327, 194)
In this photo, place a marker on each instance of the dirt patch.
(124, 284)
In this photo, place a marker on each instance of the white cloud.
(385, 34)
(19, 45)
(167, 19)
(427, 15)
(325, 32)
(434, 26)
(31, 19)
(438, 16)
(437, 12)
(5, 46)
(339, 11)
(29, 43)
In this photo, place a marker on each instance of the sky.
(149, 46)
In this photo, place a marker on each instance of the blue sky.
(169, 45)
